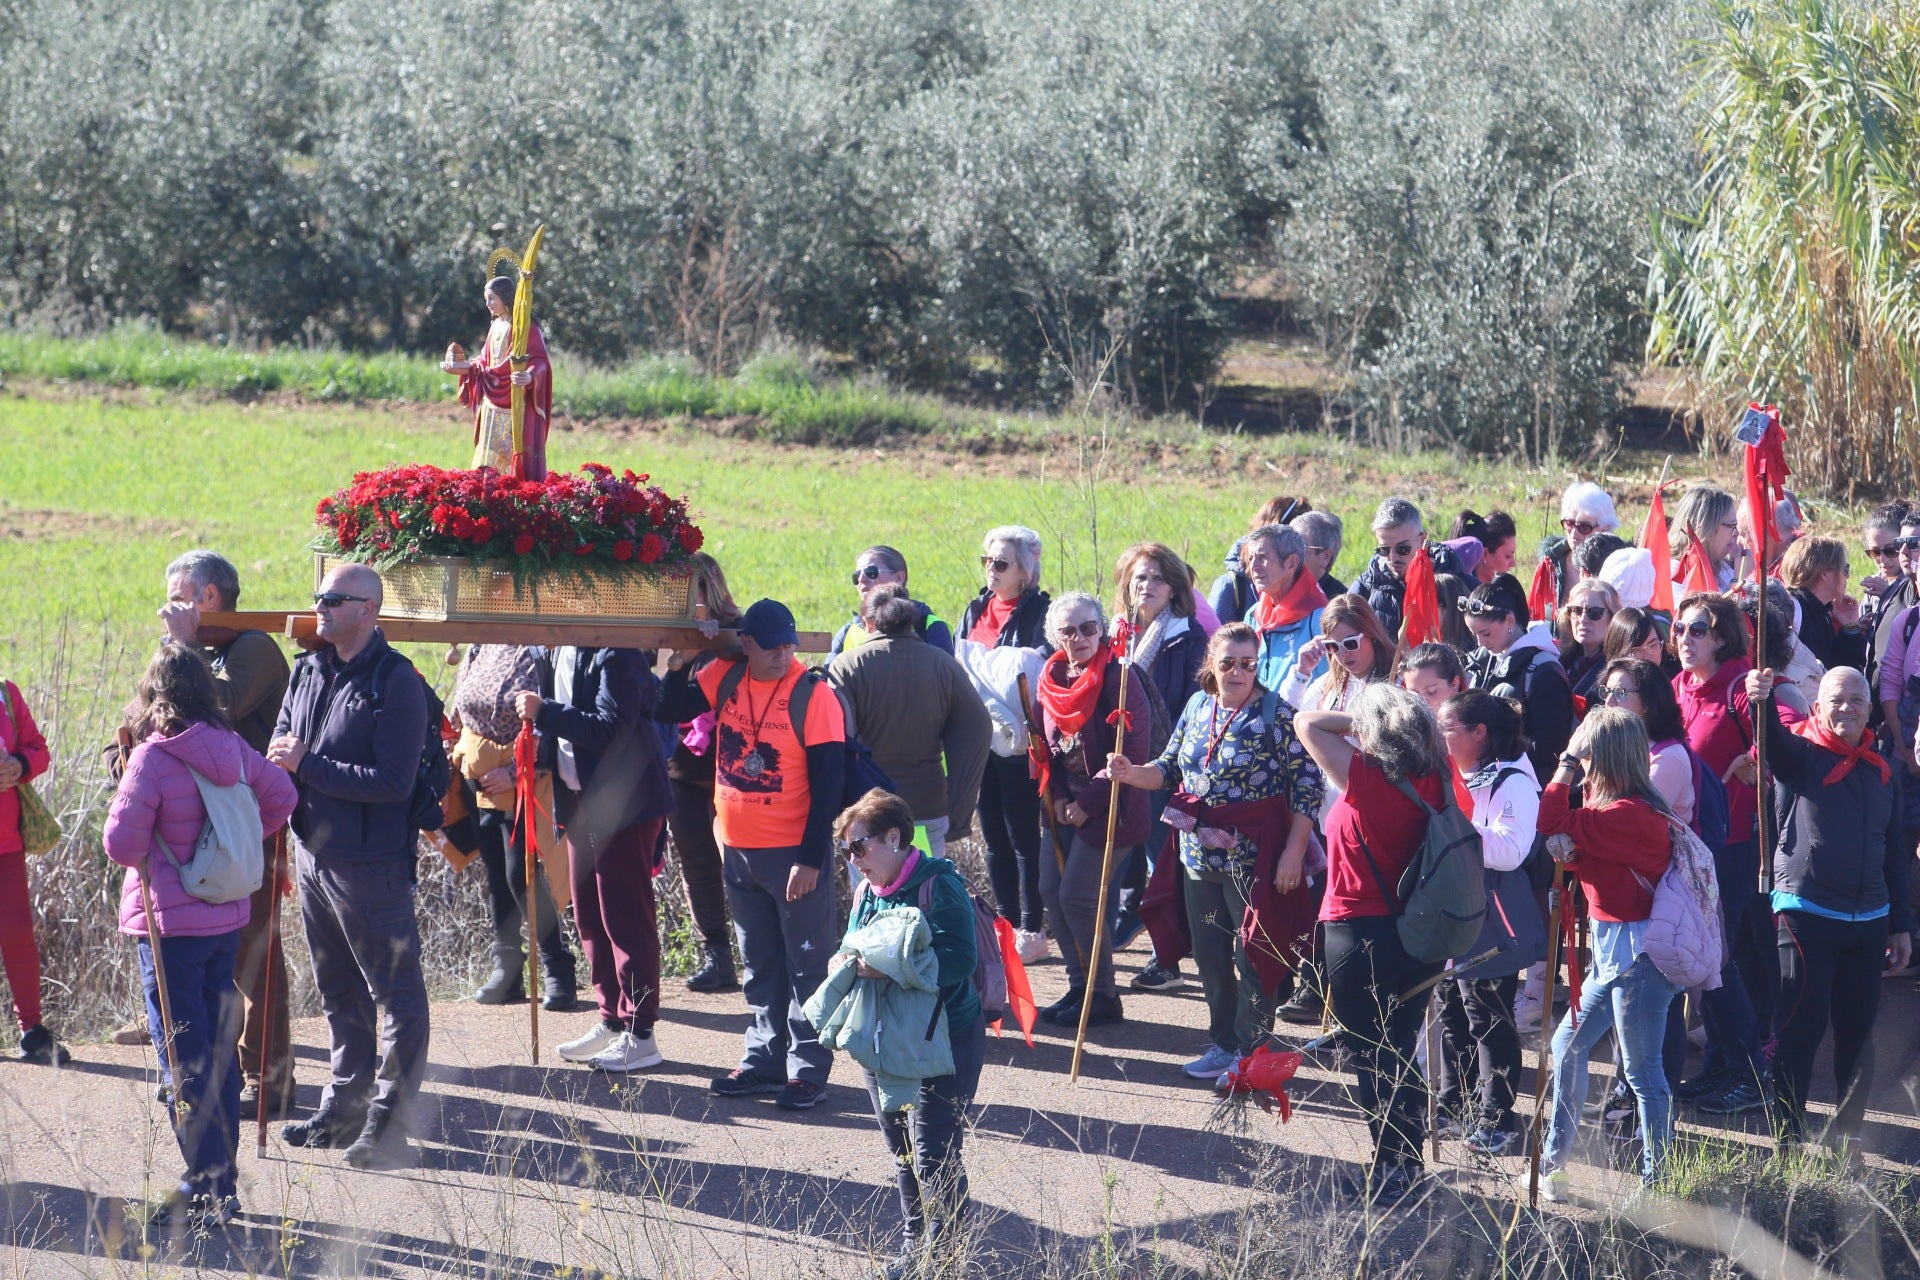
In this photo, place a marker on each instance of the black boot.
(508, 985)
(716, 970)
(326, 1127)
(38, 1045)
(559, 986)
(382, 1144)
(1304, 1005)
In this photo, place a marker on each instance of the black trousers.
(1479, 1065)
(505, 859)
(1367, 969)
(691, 824)
(1010, 823)
(925, 1139)
(1829, 972)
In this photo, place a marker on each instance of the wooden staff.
(531, 845)
(1106, 867)
(1433, 1073)
(1764, 871)
(266, 1004)
(1556, 898)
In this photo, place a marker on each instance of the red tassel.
(1542, 596)
(1420, 618)
(1019, 991)
(1265, 1071)
(1122, 718)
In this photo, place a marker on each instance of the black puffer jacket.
(1027, 627)
(1839, 845)
(1385, 592)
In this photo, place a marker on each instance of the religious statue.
(509, 386)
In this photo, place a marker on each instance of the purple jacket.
(158, 791)
(1074, 767)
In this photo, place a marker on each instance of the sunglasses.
(995, 564)
(1395, 551)
(1887, 552)
(1582, 527)
(1697, 629)
(334, 599)
(1241, 664)
(1906, 544)
(1350, 645)
(1484, 609)
(1086, 630)
(1591, 612)
(1619, 693)
(854, 848)
(870, 573)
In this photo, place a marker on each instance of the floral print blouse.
(1248, 764)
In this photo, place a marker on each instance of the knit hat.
(1630, 572)
(1468, 550)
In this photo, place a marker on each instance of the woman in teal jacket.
(876, 833)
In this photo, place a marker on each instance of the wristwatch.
(1569, 761)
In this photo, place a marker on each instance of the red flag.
(1543, 597)
(1766, 476)
(1653, 537)
(1695, 574)
(1420, 617)
(1019, 991)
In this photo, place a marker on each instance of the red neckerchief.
(1072, 705)
(1819, 736)
(1302, 598)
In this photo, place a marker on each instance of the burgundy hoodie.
(158, 791)
(1720, 730)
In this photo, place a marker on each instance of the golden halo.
(495, 258)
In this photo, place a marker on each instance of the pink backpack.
(1684, 934)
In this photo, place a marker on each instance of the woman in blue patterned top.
(1247, 795)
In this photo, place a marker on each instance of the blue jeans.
(1637, 1002)
(205, 1102)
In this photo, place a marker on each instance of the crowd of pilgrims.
(1270, 777)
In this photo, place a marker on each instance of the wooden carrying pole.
(1092, 962)
(1557, 902)
(1764, 871)
(266, 1009)
(532, 913)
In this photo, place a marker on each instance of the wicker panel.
(458, 590)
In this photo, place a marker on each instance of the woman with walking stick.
(188, 945)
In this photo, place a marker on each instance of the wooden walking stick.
(1433, 1074)
(526, 806)
(1125, 659)
(266, 1004)
(1556, 900)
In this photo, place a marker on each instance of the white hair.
(1064, 606)
(1026, 548)
(1584, 498)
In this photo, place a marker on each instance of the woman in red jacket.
(23, 757)
(1710, 639)
(1617, 845)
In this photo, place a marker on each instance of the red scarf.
(1302, 598)
(1818, 734)
(1072, 705)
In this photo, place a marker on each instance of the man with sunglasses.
(876, 567)
(351, 732)
(1399, 531)
(1890, 542)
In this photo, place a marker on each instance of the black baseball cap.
(770, 623)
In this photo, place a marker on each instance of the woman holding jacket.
(876, 835)
(152, 827)
(1479, 1066)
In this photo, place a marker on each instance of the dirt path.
(557, 1172)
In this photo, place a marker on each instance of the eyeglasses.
(1619, 693)
(995, 564)
(334, 599)
(854, 848)
(1224, 665)
(1484, 609)
(867, 573)
(1395, 551)
(1591, 612)
(1584, 528)
(1698, 629)
(1351, 644)
(1086, 630)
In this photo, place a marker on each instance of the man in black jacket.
(351, 732)
(610, 797)
(1839, 893)
(1399, 531)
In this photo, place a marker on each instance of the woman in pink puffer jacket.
(183, 732)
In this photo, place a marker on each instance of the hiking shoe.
(559, 990)
(38, 1046)
(1489, 1141)
(598, 1040)
(1211, 1064)
(1105, 1010)
(1700, 1086)
(742, 1083)
(1607, 1102)
(798, 1095)
(1032, 946)
(1303, 1007)
(628, 1052)
(1155, 977)
(1070, 1001)
(1126, 929)
(1446, 1127)
(716, 971)
(279, 1103)
(325, 1128)
(134, 1033)
(506, 986)
(382, 1145)
(197, 1213)
(1732, 1100)
(1555, 1186)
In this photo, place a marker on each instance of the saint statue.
(487, 384)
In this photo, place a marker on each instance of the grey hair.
(1026, 548)
(1848, 673)
(1398, 731)
(209, 568)
(1064, 606)
(1321, 528)
(1396, 511)
(1282, 540)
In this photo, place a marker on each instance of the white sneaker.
(1033, 947)
(1555, 1186)
(590, 1045)
(1526, 1014)
(628, 1052)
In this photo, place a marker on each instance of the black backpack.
(862, 774)
(435, 775)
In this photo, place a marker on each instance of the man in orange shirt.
(776, 795)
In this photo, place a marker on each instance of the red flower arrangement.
(580, 520)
